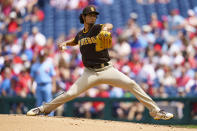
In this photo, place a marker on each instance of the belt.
(97, 66)
(43, 84)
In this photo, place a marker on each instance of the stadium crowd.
(161, 56)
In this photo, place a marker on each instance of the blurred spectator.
(73, 4)
(39, 38)
(168, 80)
(135, 43)
(36, 41)
(13, 23)
(20, 5)
(5, 86)
(122, 48)
(37, 14)
(60, 4)
(82, 4)
(69, 4)
(192, 19)
(42, 72)
(34, 14)
(175, 22)
(191, 86)
(103, 93)
(131, 26)
(136, 111)
(6, 6)
(183, 79)
(147, 38)
(116, 92)
(155, 23)
(23, 85)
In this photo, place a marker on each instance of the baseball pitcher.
(94, 41)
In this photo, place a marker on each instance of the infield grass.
(187, 126)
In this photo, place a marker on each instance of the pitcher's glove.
(103, 40)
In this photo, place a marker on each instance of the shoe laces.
(163, 114)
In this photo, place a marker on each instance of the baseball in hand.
(63, 47)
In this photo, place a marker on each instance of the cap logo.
(92, 9)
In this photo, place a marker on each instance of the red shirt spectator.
(6, 6)
(100, 105)
(38, 13)
(82, 4)
(183, 79)
(22, 85)
(12, 26)
(155, 23)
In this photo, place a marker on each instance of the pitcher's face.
(90, 18)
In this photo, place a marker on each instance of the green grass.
(187, 126)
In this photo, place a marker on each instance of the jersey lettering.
(82, 42)
(93, 39)
(86, 41)
(89, 40)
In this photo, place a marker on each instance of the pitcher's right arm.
(62, 45)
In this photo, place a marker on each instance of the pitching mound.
(43, 123)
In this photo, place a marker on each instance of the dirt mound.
(43, 123)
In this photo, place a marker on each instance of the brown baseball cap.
(90, 9)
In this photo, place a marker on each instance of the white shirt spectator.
(174, 48)
(73, 4)
(20, 5)
(165, 60)
(116, 92)
(123, 49)
(29, 42)
(148, 71)
(16, 48)
(40, 39)
(168, 80)
(178, 59)
(160, 73)
(147, 35)
(92, 92)
(60, 4)
(189, 84)
(174, 22)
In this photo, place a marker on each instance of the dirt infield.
(43, 123)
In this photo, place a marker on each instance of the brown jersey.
(87, 43)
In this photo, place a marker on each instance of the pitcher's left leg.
(116, 78)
